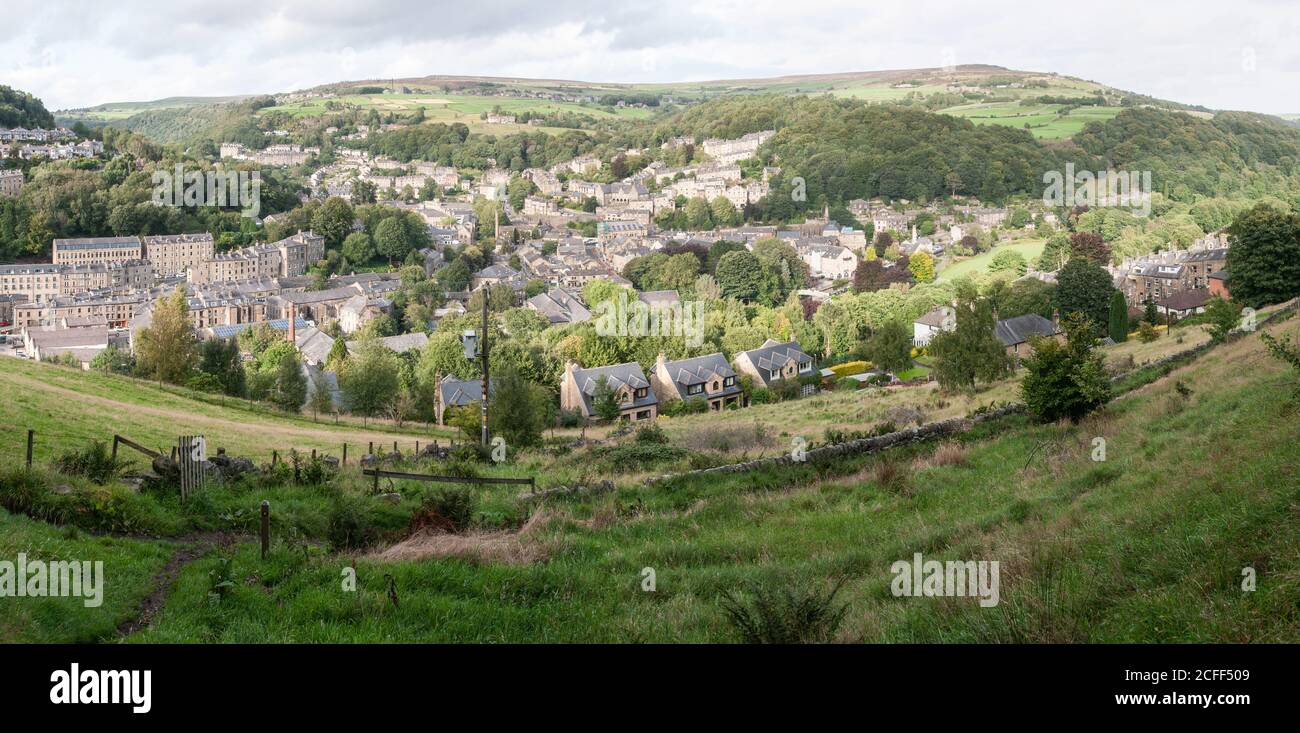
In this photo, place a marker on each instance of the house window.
(642, 392)
(729, 381)
(695, 389)
(805, 366)
(775, 374)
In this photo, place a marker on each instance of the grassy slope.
(129, 568)
(1030, 249)
(68, 408)
(1147, 546)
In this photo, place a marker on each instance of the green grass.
(1030, 249)
(128, 571)
(1043, 120)
(1147, 546)
(68, 408)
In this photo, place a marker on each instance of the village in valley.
(508, 360)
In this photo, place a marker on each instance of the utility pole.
(483, 354)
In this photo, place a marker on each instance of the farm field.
(1030, 249)
(1043, 120)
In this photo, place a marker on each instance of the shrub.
(569, 418)
(350, 525)
(1147, 333)
(850, 367)
(788, 614)
(650, 433)
(95, 462)
(449, 509)
(761, 396)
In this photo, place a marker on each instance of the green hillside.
(1198, 483)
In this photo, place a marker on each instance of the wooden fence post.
(266, 526)
(345, 454)
(372, 448)
(275, 458)
(115, 441)
(376, 489)
(30, 436)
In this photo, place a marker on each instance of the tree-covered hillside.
(1190, 155)
(20, 109)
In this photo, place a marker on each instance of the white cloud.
(74, 54)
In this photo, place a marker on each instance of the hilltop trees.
(1264, 260)
(20, 109)
(166, 350)
(1066, 380)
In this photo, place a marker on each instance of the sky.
(79, 53)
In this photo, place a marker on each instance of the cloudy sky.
(77, 53)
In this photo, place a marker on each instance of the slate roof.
(459, 392)
(559, 306)
(1020, 329)
(314, 344)
(1185, 300)
(774, 355)
(401, 343)
(934, 318)
(685, 373)
(616, 377)
(655, 298)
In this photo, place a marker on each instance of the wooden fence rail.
(378, 473)
(132, 444)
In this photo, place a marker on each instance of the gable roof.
(686, 373)
(774, 355)
(1020, 329)
(559, 306)
(617, 377)
(1185, 299)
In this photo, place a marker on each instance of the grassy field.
(1146, 546)
(1030, 249)
(1199, 482)
(68, 407)
(1043, 120)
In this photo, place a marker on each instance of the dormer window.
(642, 392)
(695, 389)
(729, 381)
